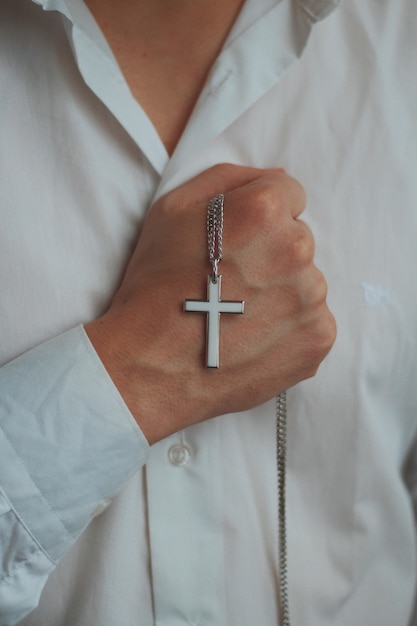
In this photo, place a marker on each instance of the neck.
(165, 49)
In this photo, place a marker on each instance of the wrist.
(161, 388)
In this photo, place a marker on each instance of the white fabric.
(195, 544)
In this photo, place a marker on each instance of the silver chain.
(215, 250)
(215, 232)
(281, 442)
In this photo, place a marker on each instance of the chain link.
(215, 232)
(215, 251)
(281, 441)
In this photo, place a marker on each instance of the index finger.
(219, 179)
(281, 190)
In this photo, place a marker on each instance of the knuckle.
(300, 192)
(321, 339)
(296, 192)
(267, 203)
(324, 333)
(320, 288)
(223, 170)
(312, 371)
(328, 336)
(300, 249)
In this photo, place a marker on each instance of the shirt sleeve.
(68, 443)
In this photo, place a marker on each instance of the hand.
(155, 352)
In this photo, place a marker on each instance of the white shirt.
(196, 544)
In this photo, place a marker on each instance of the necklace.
(281, 452)
(213, 307)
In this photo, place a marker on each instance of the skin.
(165, 50)
(150, 347)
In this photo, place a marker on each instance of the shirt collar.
(268, 36)
(316, 9)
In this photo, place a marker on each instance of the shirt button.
(179, 454)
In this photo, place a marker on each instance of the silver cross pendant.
(213, 307)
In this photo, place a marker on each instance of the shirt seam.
(28, 531)
(311, 15)
(20, 566)
(44, 498)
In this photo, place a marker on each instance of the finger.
(218, 179)
(294, 195)
(277, 189)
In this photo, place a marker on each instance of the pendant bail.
(215, 275)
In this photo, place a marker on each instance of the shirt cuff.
(68, 442)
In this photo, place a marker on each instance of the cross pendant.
(213, 306)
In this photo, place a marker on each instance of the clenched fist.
(155, 352)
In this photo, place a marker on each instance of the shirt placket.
(184, 494)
